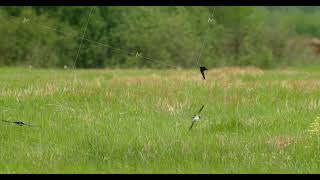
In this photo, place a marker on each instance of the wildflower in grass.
(315, 127)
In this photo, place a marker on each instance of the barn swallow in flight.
(196, 117)
(202, 69)
(19, 123)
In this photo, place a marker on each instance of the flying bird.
(202, 69)
(196, 117)
(19, 123)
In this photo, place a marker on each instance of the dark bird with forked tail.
(19, 123)
(202, 69)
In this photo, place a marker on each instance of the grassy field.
(136, 121)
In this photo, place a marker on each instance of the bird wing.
(201, 109)
(27, 124)
(203, 75)
(202, 68)
(191, 125)
(6, 121)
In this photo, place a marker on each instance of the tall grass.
(136, 121)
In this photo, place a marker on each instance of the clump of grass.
(315, 127)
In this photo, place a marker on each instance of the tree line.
(157, 37)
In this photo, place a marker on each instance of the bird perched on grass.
(202, 69)
(196, 117)
(19, 123)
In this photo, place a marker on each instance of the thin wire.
(80, 46)
(159, 62)
(108, 46)
(85, 30)
(205, 39)
(56, 30)
(98, 43)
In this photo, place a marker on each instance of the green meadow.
(136, 121)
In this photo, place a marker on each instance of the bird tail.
(30, 125)
(191, 125)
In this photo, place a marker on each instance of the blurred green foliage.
(244, 36)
